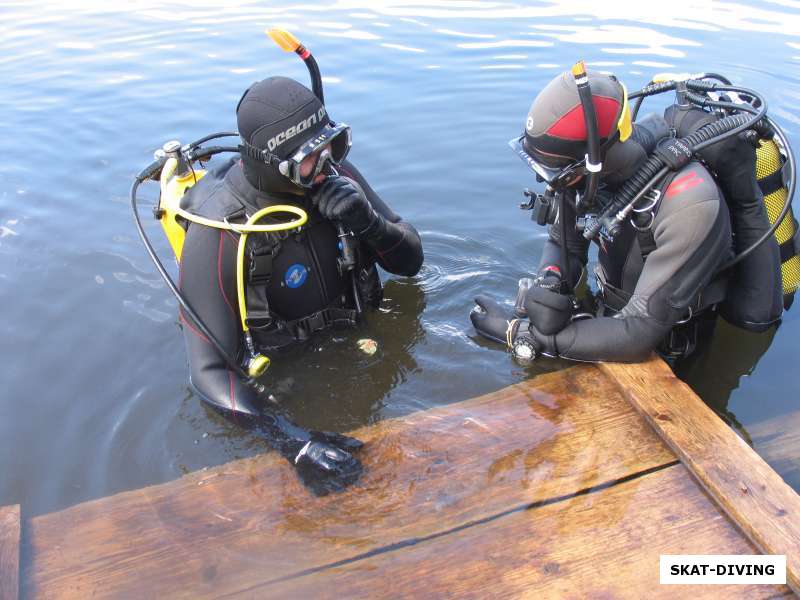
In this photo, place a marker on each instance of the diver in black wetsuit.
(660, 267)
(298, 282)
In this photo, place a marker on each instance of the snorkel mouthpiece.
(289, 43)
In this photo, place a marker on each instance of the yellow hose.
(249, 228)
(302, 217)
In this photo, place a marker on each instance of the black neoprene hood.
(279, 114)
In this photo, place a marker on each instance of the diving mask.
(330, 146)
(552, 176)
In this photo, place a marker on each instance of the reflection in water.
(330, 383)
(724, 355)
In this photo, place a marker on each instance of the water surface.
(96, 398)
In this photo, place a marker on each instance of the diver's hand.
(338, 199)
(490, 319)
(325, 467)
(549, 311)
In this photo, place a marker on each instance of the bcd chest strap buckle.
(260, 269)
(336, 318)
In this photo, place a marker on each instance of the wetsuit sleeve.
(692, 236)
(208, 282)
(395, 244)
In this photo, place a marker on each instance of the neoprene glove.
(548, 311)
(338, 199)
(324, 461)
(492, 321)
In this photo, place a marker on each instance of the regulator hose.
(654, 169)
(232, 362)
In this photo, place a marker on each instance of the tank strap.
(791, 247)
(645, 237)
(259, 274)
(773, 182)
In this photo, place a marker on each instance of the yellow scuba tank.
(173, 187)
(769, 163)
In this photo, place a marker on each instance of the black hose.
(704, 101)
(652, 89)
(213, 136)
(208, 152)
(566, 271)
(232, 363)
(654, 168)
(716, 76)
(636, 107)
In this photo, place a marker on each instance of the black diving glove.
(324, 462)
(339, 199)
(492, 321)
(548, 310)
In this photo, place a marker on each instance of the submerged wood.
(250, 521)
(9, 552)
(755, 497)
(521, 489)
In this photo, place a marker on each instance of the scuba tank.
(771, 175)
(174, 183)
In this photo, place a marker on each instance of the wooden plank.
(601, 545)
(9, 552)
(762, 505)
(250, 521)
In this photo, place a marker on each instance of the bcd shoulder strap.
(644, 231)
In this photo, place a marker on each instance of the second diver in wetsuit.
(660, 263)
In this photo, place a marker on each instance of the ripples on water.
(95, 371)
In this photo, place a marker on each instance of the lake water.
(96, 397)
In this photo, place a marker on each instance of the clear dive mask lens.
(554, 177)
(330, 146)
(548, 174)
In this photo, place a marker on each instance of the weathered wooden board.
(250, 522)
(9, 552)
(761, 504)
(605, 544)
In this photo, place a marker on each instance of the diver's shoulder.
(693, 183)
(206, 197)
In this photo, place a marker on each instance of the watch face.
(524, 351)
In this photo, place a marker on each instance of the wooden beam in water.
(604, 544)
(9, 552)
(244, 524)
(755, 497)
